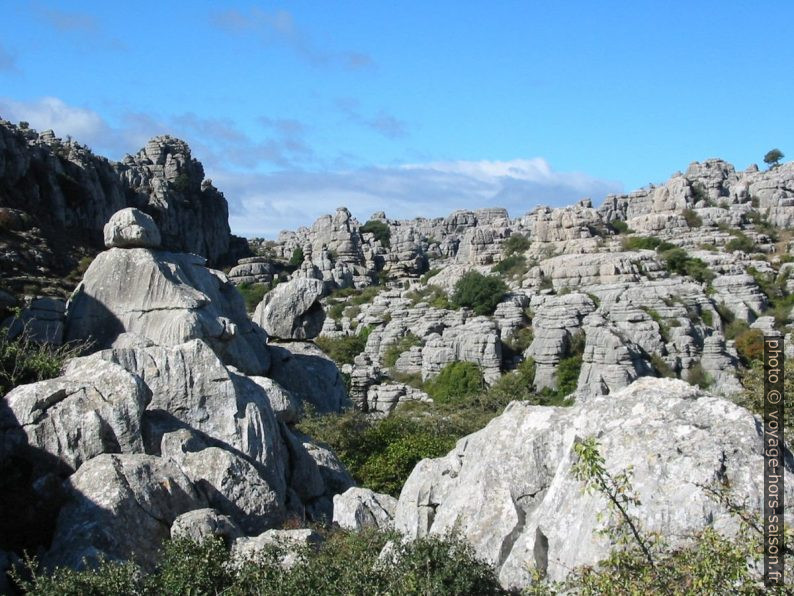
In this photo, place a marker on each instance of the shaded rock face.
(168, 298)
(62, 195)
(359, 508)
(510, 491)
(291, 310)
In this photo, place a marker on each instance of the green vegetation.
(297, 257)
(698, 376)
(182, 182)
(678, 261)
(433, 295)
(23, 360)
(740, 242)
(428, 274)
(661, 367)
(692, 218)
(620, 227)
(512, 266)
(707, 317)
(700, 194)
(516, 243)
(664, 327)
(521, 340)
(253, 294)
(479, 292)
(773, 157)
(343, 563)
(456, 380)
(343, 350)
(393, 351)
(380, 230)
(346, 301)
(645, 243)
(750, 345)
(752, 397)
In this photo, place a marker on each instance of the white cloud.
(85, 125)
(264, 204)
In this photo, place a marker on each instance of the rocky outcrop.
(131, 228)
(61, 195)
(167, 298)
(510, 491)
(359, 508)
(292, 310)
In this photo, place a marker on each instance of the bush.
(752, 397)
(750, 345)
(252, 294)
(393, 351)
(645, 243)
(619, 226)
(380, 230)
(455, 381)
(661, 367)
(516, 243)
(23, 360)
(698, 376)
(479, 292)
(740, 242)
(343, 350)
(344, 563)
(296, 260)
(692, 218)
(513, 265)
(678, 261)
(432, 295)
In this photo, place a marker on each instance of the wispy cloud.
(266, 203)
(8, 61)
(279, 27)
(383, 123)
(83, 28)
(219, 142)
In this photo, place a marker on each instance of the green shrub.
(393, 351)
(343, 563)
(752, 397)
(619, 226)
(707, 317)
(740, 242)
(296, 260)
(692, 218)
(252, 294)
(456, 380)
(664, 327)
(23, 360)
(428, 274)
(521, 340)
(433, 295)
(479, 292)
(516, 243)
(678, 261)
(343, 350)
(514, 265)
(698, 376)
(699, 193)
(567, 374)
(380, 230)
(645, 243)
(750, 345)
(661, 367)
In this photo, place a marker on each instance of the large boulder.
(95, 407)
(292, 310)
(509, 487)
(359, 508)
(121, 507)
(168, 298)
(131, 228)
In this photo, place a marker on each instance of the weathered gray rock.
(94, 408)
(131, 228)
(292, 541)
(254, 498)
(41, 321)
(191, 387)
(200, 524)
(510, 491)
(291, 310)
(359, 508)
(167, 298)
(121, 508)
(308, 374)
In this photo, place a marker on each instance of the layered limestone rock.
(131, 228)
(359, 508)
(167, 298)
(510, 491)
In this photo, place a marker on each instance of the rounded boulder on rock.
(131, 228)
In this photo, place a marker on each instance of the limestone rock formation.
(510, 491)
(359, 508)
(131, 228)
(291, 310)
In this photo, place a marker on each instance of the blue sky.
(414, 108)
